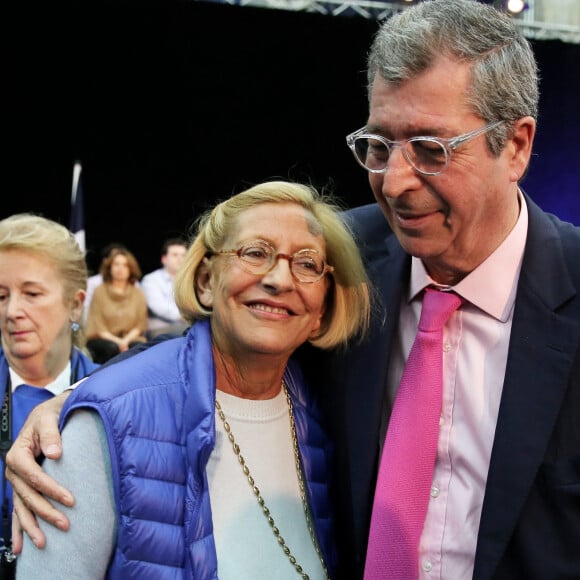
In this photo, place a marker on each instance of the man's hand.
(39, 434)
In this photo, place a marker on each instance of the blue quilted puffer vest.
(158, 411)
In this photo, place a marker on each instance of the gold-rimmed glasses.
(258, 257)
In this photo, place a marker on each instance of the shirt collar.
(492, 285)
(58, 386)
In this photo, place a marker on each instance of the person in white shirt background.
(164, 316)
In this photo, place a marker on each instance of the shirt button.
(435, 491)
(446, 347)
(427, 566)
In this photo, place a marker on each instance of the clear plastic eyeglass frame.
(439, 149)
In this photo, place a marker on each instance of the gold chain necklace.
(256, 490)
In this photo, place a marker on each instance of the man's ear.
(203, 284)
(520, 147)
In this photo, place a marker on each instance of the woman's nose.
(281, 272)
(12, 305)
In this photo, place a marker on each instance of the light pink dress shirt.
(475, 340)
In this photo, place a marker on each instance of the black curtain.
(172, 105)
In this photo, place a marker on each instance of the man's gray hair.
(505, 74)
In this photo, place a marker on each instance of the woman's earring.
(75, 326)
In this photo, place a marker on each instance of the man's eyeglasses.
(258, 257)
(427, 155)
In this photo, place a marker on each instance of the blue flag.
(77, 212)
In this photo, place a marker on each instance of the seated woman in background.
(204, 455)
(117, 316)
(43, 277)
(97, 279)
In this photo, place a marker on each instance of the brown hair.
(134, 268)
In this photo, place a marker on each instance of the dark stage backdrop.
(174, 105)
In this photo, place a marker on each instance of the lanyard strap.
(6, 422)
(5, 443)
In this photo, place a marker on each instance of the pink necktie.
(406, 470)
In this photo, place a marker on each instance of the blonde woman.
(205, 455)
(43, 279)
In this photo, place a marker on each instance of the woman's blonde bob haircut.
(348, 298)
(38, 235)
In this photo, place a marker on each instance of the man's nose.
(399, 176)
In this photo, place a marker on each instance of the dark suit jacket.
(530, 523)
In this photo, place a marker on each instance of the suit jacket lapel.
(541, 350)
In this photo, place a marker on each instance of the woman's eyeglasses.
(258, 257)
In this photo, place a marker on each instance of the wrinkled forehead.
(275, 218)
(29, 266)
